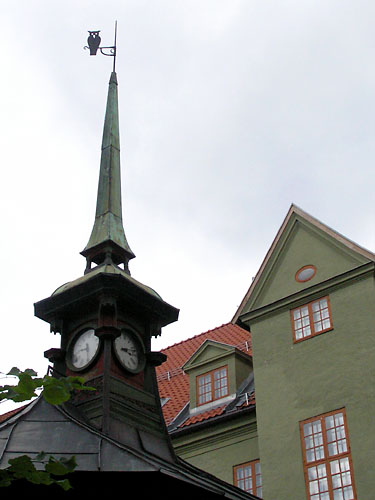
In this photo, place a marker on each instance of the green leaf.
(69, 463)
(40, 456)
(5, 478)
(56, 468)
(31, 372)
(7, 392)
(22, 467)
(41, 477)
(56, 393)
(14, 371)
(65, 484)
(25, 385)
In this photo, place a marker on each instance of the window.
(311, 319)
(248, 477)
(304, 274)
(327, 459)
(212, 385)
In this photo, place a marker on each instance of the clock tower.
(107, 319)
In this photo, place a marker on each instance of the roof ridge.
(200, 334)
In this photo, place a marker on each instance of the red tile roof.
(10, 413)
(173, 383)
(204, 416)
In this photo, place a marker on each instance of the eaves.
(224, 417)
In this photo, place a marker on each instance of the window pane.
(327, 479)
(297, 313)
(321, 470)
(319, 453)
(339, 419)
(314, 449)
(248, 477)
(332, 449)
(317, 426)
(323, 484)
(341, 479)
(348, 493)
(331, 435)
(301, 322)
(323, 303)
(335, 434)
(204, 389)
(220, 383)
(314, 487)
(329, 421)
(318, 483)
(307, 429)
(312, 473)
(320, 315)
(344, 463)
(335, 467)
(310, 456)
(338, 495)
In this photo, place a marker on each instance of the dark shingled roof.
(56, 431)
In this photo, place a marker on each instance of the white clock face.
(129, 351)
(84, 349)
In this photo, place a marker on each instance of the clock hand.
(83, 349)
(128, 350)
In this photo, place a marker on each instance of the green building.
(309, 316)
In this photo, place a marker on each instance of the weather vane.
(94, 45)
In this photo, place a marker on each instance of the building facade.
(309, 317)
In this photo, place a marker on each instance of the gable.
(209, 351)
(301, 241)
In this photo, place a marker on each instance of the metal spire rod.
(115, 47)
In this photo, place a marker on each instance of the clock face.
(129, 351)
(84, 349)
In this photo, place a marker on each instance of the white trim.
(212, 404)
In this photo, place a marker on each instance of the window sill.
(295, 341)
(212, 404)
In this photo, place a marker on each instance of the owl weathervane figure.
(94, 45)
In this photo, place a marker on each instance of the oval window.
(305, 273)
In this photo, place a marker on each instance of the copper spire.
(108, 242)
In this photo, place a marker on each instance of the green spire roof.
(108, 241)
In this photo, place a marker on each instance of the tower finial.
(94, 45)
(107, 243)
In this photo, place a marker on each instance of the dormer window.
(215, 372)
(212, 385)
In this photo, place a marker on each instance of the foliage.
(23, 468)
(55, 391)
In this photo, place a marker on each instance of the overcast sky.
(229, 112)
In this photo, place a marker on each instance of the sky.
(230, 111)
